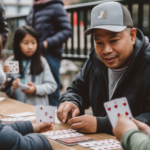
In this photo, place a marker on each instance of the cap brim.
(106, 27)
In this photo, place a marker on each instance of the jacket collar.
(139, 48)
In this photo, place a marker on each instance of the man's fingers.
(75, 112)
(65, 112)
(74, 120)
(77, 126)
(59, 112)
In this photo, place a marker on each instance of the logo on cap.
(103, 14)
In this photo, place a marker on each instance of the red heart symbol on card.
(130, 118)
(109, 109)
(116, 106)
(127, 113)
(118, 114)
(124, 104)
(40, 120)
(41, 108)
(50, 117)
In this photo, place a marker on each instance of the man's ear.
(133, 35)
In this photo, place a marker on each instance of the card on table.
(45, 114)
(108, 147)
(59, 132)
(14, 66)
(99, 143)
(116, 107)
(21, 114)
(54, 137)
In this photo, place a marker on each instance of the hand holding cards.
(23, 86)
(116, 107)
(13, 66)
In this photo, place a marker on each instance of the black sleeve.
(78, 91)
(103, 125)
(11, 139)
(145, 116)
(3, 26)
(64, 29)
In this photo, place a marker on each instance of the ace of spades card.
(45, 114)
(14, 66)
(116, 107)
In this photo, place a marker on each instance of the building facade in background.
(22, 7)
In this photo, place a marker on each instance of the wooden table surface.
(9, 106)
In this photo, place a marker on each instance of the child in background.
(34, 69)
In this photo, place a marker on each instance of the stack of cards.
(102, 144)
(74, 140)
(68, 133)
(45, 114)
(115, 108)
(10, 120)
(14, 66)
(21, 114)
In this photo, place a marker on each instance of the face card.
(113, 111)
(14, 66)
(46, 114)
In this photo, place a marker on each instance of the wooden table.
(9, 106)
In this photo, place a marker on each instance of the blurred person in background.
(49, 19)
(18, 135)
(33, 68)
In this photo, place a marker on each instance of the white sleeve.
(2, 76)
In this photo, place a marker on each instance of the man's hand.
(41, 127)
(45, 44)
(142, 126)
(31, 90)
(15, 84)
(66, 111)
(84, 124)
(122, 126)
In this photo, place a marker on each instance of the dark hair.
(36, 64)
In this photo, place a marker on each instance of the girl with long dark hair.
(34, 69)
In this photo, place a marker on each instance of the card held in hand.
(45, 114)
(14, 66)
(116, 107)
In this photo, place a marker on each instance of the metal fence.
(78, 46)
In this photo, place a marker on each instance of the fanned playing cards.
(116, 107)
(45, 114)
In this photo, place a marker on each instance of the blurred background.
(78, 47)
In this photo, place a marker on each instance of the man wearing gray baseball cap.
(118, 66)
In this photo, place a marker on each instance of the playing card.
(21, 114)
(23, 86)
(113, 111)
(45, 114)
(98, 143)
(108, 147)
(2, 98)
(123, 104)
(14, 66)
(76, 134)
(60, 132)
(116, 107)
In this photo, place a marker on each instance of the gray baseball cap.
(111, 16)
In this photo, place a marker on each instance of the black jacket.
(3, 26)
(90, 86)
(16, 137)
(51, 22)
